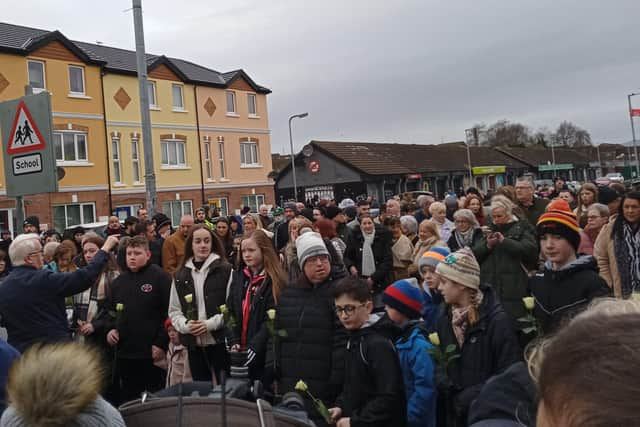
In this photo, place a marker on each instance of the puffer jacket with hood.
(58, 385)
(373, 393)
(490, 346)
(560, 294)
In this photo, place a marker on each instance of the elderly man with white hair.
(32, 299)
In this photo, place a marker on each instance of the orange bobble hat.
(559, 220)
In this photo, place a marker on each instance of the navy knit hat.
(405, 296)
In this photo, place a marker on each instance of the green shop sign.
(556, 167)
(485, 170)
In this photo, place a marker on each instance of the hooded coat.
(503, 266)
(560, 294)
(313, 350)
(373, 393)
(490, 347)
(418, 374)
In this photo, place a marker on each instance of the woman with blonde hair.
(438, 211)
(504, 253)
(479, 328)
(428, 237)
(587, 196)
(251, 222)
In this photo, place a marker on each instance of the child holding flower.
(198, 290)
(373, 393)
(252, 298)
(479, 328)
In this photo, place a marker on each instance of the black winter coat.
(145, 297)
(453, 244)
(382, 255)
(313, 350)
(373, 393)
(563, 293)
(490, 347)
(257, 332)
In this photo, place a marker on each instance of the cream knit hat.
(461, 267)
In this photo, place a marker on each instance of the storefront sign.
(486, 170)
(414, 176)
(556, 167)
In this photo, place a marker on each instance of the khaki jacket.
(604, 252)
(173, 252)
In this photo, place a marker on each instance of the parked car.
(615, 177)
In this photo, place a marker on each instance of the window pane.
(173, 156)
(134, 149)
(114, 149)
(186, 208)
(36, 74)
(57, 145)
(254, 153)
(207, 147)
(59, 218)
(180, 149)
(177, 96)
(87, 213)
(73, 215)
(76, 79)
(260, 199)
(231, 102)
(69, 146)
(165, 153)
(152, 93)
(136, 171)
(116, 171)
(243, 159)
(224, 208)
(251, 99)
(81, 142)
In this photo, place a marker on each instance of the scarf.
(368, 261)
(255, 282)
(86, 303)
(460, 323)
(464, 238)
(627, 250)
(421, 247)
(592, 232)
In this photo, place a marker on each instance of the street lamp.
(633, 113)
(293, 166)
(470, 135)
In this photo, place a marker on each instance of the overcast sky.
(405, 71)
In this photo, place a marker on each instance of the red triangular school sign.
(25, 135)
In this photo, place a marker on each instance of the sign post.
(27, 148)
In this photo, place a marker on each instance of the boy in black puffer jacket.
(568, 283)
(373, 393)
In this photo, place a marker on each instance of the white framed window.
(176, 208)
(70, 146)
(65, 216)
(76, 80)
(207, 159)
(251, 104)
(125, 211)
(178, 99)
(249, 155)
(173, 152)
(36, 75)
(221, 156)
(253, 201)
(115, 157)
(152, 94)
(135, 160)
(221, 203)
(231, 102)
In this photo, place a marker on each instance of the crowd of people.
(411, 312)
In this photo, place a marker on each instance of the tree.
(542, 138)
(570, 135)
(503, 133)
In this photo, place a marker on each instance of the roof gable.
(240, 80)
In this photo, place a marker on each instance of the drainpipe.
(195, 97)
(107, 140)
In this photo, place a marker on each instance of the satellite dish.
(307, 150)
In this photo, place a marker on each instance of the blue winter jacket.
(418, 374)
(431, 309)
(32, 306)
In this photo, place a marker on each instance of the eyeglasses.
(348, 309)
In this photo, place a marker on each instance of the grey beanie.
(310, 244)
(99, 413)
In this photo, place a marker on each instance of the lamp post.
(293, 165)
(632, 113)
(470, 134)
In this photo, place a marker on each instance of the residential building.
(210, 131)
